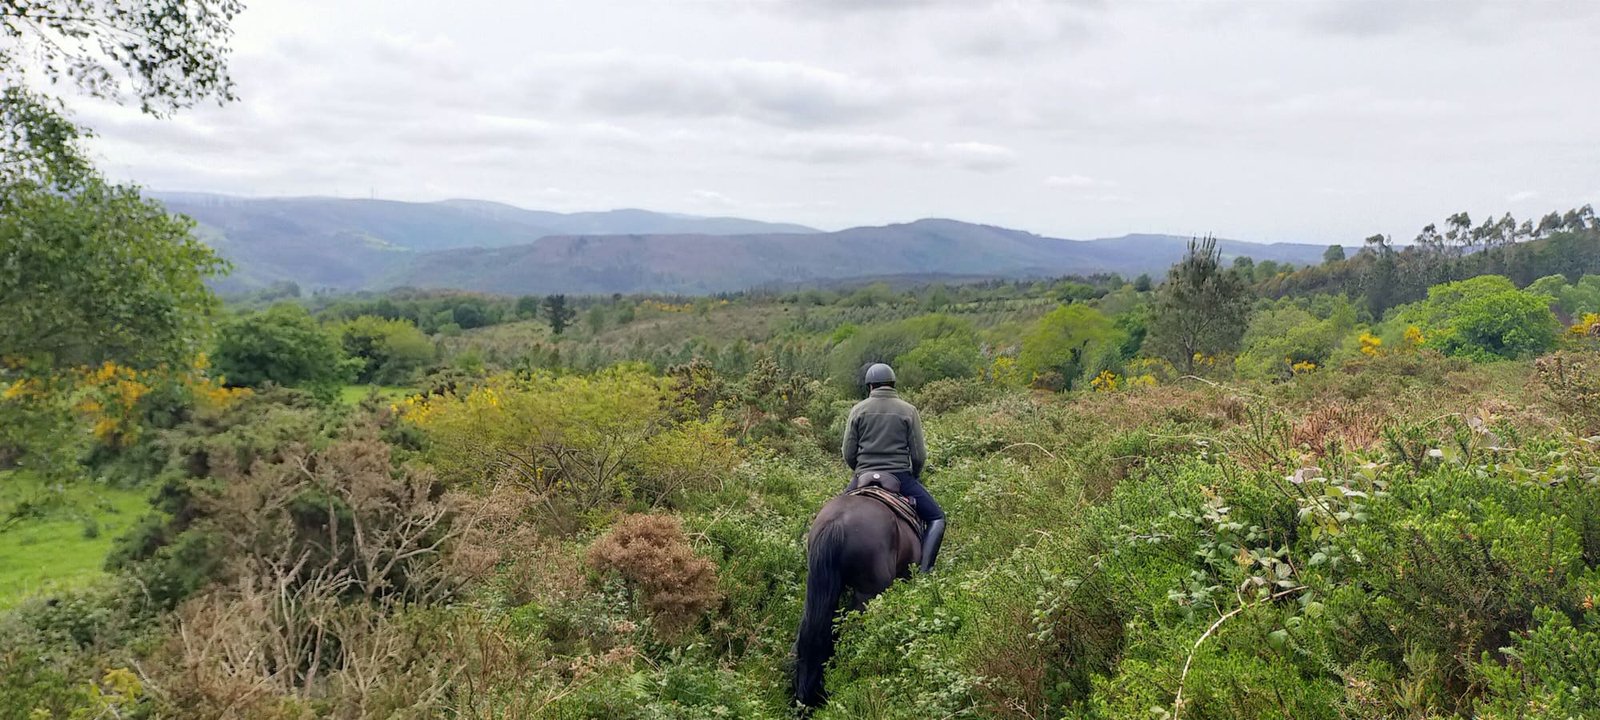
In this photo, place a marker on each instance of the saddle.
(885, 487)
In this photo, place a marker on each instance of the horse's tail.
(824, 585)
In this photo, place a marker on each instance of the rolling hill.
(706, 264)
(350, 244)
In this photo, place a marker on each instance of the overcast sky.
(1304, 120)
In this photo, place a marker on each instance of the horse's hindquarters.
(857, 544)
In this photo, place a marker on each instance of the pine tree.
(1200, 309)
(557, 313)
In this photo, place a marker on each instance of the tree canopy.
(1057, 352)
(1485, 317)
(282, 345)
(101, 275)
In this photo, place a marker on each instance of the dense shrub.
(653, 557)
(951, 351)
(389, 351)
(941, 396)
(579, 444)
(1063, 346)
(1484, 318)
(1284, 340)
(1398, 534)
(282, 346)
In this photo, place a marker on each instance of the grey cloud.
(824, 148)
(1077, 182)
(1003, 30)
(1483, 20)
(1226, 116)
(993, 29)
(779, 93)
(836, 7)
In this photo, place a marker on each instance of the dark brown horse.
(856, 544)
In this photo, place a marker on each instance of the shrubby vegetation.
(1331, 515)
(1364, 489)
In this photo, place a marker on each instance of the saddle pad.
(897, 504)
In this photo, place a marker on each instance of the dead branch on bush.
(1040, 448)
(1177, 703)
(324, 548)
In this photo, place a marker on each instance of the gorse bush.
(653, 557)
(578, 444)
(1549, 669)
(1570, 382)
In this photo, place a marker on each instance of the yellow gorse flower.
(18, 388)
(1004, 371)
(1370, 344)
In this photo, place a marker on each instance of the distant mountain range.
(475, 245)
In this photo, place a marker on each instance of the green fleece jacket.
(884, 433)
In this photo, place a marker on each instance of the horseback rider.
(884, 434)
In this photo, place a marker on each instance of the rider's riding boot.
(930, 544)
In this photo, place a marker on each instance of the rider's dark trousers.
(927, 508)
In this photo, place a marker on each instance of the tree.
(528, 307)
(1510, 324)
(1283, 339)
(557, 313)
(388, 351)
(170, 53)
(1459, 232)
(950, 356)
(282, 345)
(893, 342)
(1063, 344)
(472, 313)
(1333, 254)
(1200, 310)
(1483, 318)
(1581, 297)
(1381, 280)
(38, 143)
(1143, 283)
(595, 319)
(100, 275)
(89, 272)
